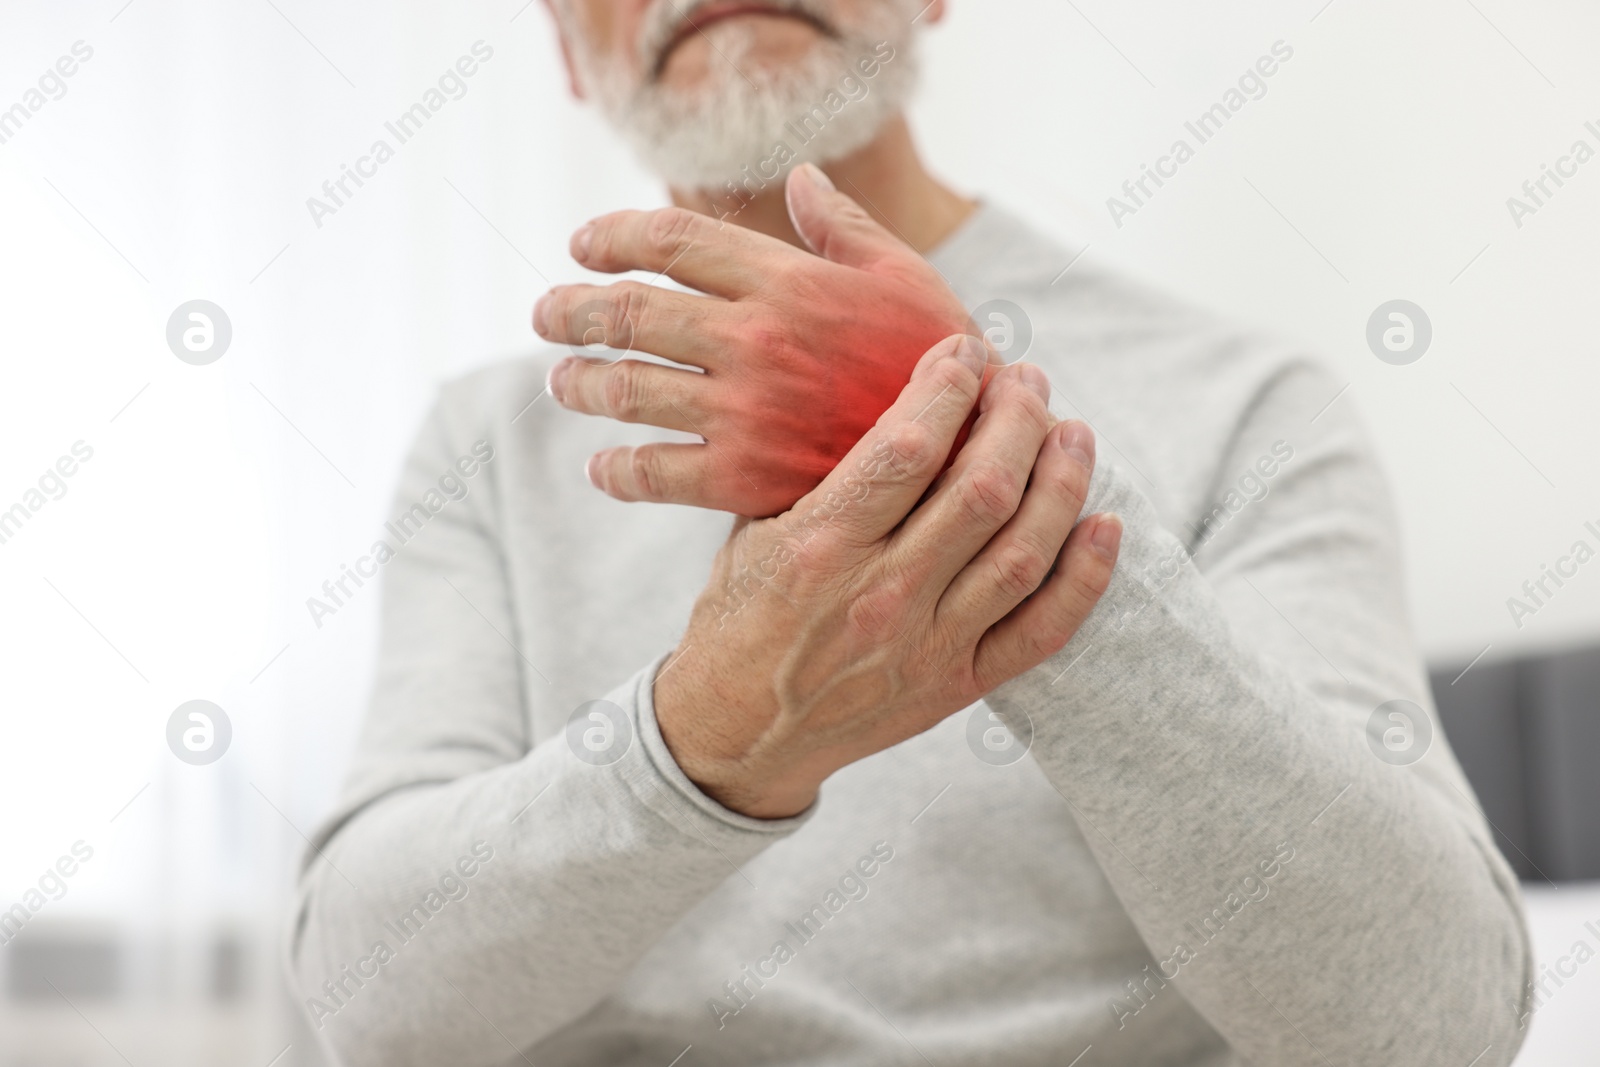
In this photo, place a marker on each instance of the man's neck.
(886, 177)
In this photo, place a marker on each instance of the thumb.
(837, 228)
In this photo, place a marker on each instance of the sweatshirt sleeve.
(477, 888)
(1310, 872)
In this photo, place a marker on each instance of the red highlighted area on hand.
(797, 354)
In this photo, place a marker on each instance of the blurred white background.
(177, 165)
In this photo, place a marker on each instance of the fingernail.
(1078, 442)
(581, 242)
(1035, 379)
(589, 469)
(541, 316)
(814, 175)
(553, 381)
(1107, 536)
(972, 355)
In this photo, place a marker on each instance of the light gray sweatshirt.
(1205, 838)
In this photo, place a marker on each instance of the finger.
(631, 390)
(729, 261)
(693, 475)
(837, 228)
(1043, 624)
(660, 473)
(631, 316)
(1018, 559)
(985, 484)
(881, 479)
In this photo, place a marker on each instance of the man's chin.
(742, 104)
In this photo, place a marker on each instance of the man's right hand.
(800, 352)
(874, 609)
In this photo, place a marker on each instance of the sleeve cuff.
(659, 783)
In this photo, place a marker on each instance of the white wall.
(1391, 141)
(178, 164)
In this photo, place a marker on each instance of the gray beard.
(763, 121)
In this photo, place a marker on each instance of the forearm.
(1193, 759)
(577, 870)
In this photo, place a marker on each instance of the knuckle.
(628, 303)
(1037, 412)
(1069, 487)
(875, 609)
(1071, 483)
(913, 449)
(956, 382)
(1089, 581)
(771, 336)
(1045, 641)
(649, 478)
(820, 559)
(1024, 402)
(1046, 550)
(621, 393)
(989, 492)
(1042, 548)
(1034, 645)
(670, 229)
(1018, 570)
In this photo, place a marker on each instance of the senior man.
(983, 738)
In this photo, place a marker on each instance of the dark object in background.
(1527, 733)
(52, 963)
(228, 966)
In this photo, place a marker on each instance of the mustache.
(669, 22)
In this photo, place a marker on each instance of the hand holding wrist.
(875, 608)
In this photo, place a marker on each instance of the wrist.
(716, 742)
